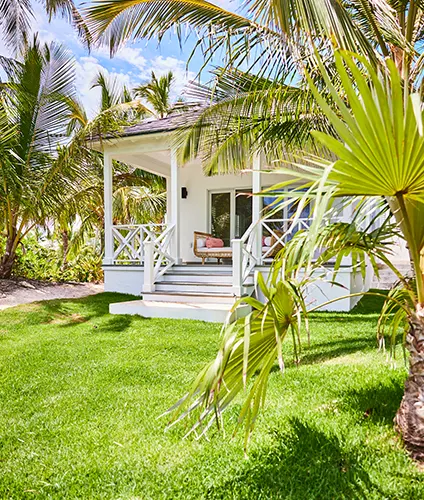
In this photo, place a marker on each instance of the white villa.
(168, 265)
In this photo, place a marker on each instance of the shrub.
(43, 261)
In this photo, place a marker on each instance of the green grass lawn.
(81, 392)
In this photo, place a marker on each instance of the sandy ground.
(20, 291)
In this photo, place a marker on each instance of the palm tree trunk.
(65, 247)
(8, 258)
(409, 419)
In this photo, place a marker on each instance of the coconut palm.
(157, 94)
(290, 74)
(35, 175)
(16, 19)
(139, 197)
(275, 43)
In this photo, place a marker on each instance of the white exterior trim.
(108, 204)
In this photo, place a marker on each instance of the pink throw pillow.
(214, 242)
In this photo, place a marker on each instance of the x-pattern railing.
(249, 252)
(128, 243)
(279, 237)
(129, 240)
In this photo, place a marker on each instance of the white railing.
(157, 256)
(146, 244)
(249, 252)
(129, 240)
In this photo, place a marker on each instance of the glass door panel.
(221, 216)
(243, 212)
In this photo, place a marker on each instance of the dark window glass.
(220, 216)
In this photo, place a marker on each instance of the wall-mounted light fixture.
(184, 193)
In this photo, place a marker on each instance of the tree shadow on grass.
(324, 351)
(320, 352)
(377, 404)
(94, 309)
(305, 463)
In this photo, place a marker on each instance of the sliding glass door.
(230, 214)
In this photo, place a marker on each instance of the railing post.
(149, 271)
(108, 217)
(258, 161)
(141, 235)
(237, 246)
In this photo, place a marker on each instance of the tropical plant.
(290, 77)
(16, 19)
(139, 197)
(379, 151)
(157, 93)
(260, 98)
(35, 175)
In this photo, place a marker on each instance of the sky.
(132, 65)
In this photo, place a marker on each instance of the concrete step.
(215, 298)
(210, 312)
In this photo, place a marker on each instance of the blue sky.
(131, 65)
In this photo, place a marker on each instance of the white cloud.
(130, 55)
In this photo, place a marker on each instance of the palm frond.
(249, 349)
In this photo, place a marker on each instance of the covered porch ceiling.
(156, 162)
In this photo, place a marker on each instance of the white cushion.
(268, 241)
(217, 250)
(201, 242)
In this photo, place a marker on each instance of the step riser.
(202, 269)
(200, 288)
(163, 297)
(184, 278)
(149, 310)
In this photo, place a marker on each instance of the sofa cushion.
(201, 242)
(214, 242)
(222, 250)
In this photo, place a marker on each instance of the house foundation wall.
(123, 279)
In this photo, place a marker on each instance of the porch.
(159, 261)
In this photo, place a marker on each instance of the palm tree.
(157, 94)
(286, 49)
(139, 197)
(16, 18)
(35, 175)
(276, 44)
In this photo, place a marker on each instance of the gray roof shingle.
(167, 124)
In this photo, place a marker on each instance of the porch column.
(174, 216)
(108, 217)
(257, 202)
(168, 200)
